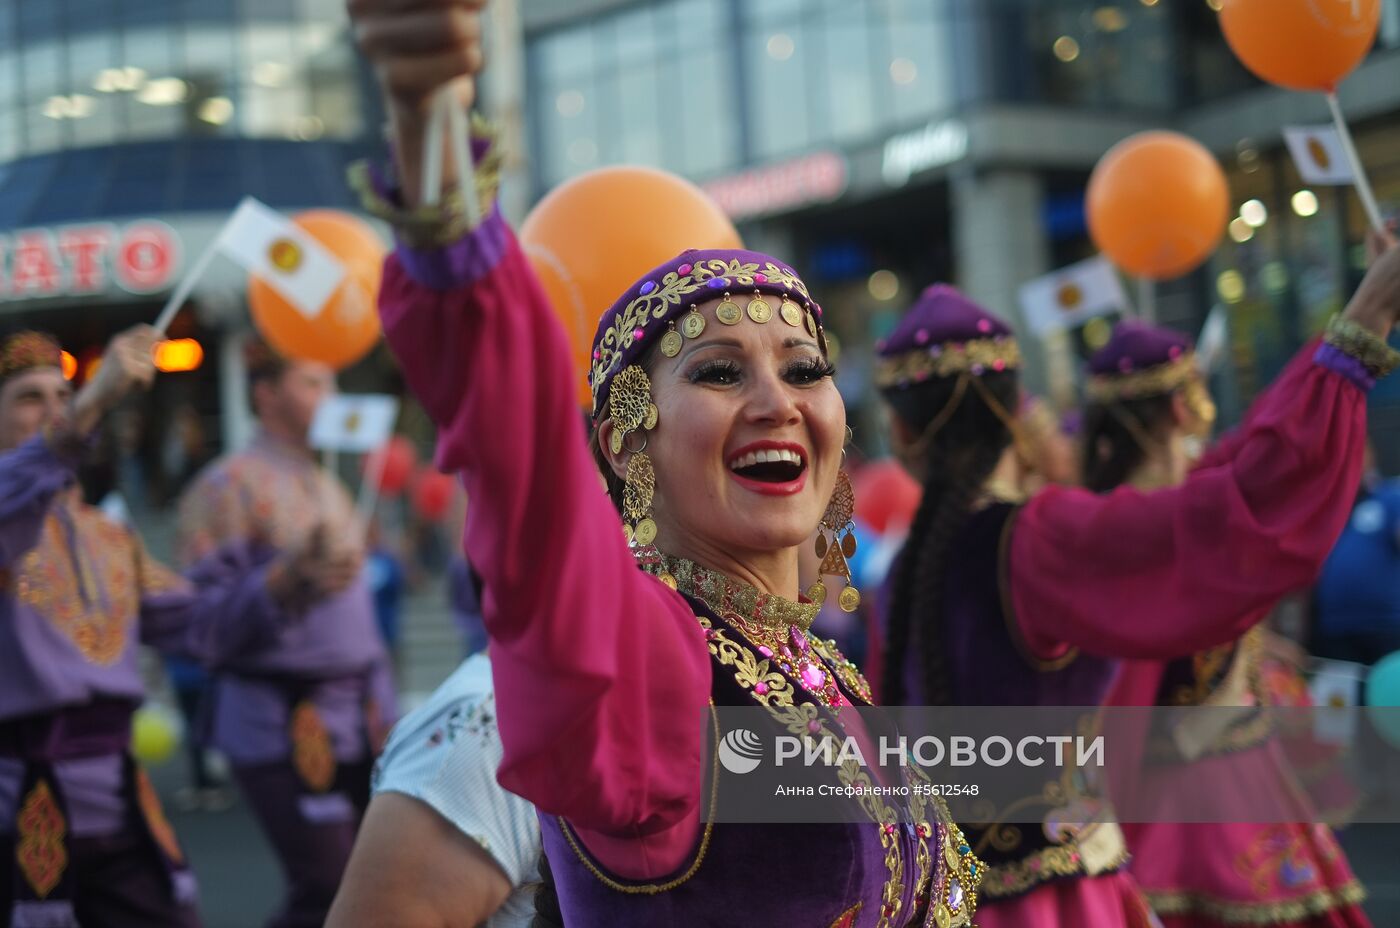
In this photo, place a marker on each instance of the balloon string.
(1147, 300)
(1358, 173)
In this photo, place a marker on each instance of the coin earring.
(836, 545)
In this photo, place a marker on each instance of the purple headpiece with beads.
(944, 334)
(1140, 360)
(658, 303)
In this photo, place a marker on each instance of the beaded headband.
(944, 360)
(1154, 381)
(944, 334)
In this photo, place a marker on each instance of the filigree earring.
(631, 410)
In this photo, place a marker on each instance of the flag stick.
(448, 123)
(182, 292)
(369, 491)
(1358, 173)
(459, 129)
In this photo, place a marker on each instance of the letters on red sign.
(83, 248)
(83, 260)
(35, 268)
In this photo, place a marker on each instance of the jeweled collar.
(726, 595)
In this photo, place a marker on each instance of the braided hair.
(547, 911)
(1113, 438)
(957, 457)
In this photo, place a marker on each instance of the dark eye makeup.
(724, 371)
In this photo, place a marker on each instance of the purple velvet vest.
(858, 875)
(989, 665)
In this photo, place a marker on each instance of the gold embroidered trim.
(1008, 607)
(1231, 912)
(651, 889)
(1048, 863)
(313, 757)
(1154, 381)
(671, 293)
(87, 591)
(41, 851)
(1240, 736)
(845, 668)
(1362, 344)
(722, 594)
(445, 223)
(805, 721)
(944, 360)
(156, 821)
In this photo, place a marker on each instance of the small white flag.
(1319, 155)
(354, 422)
(1210, 346)
(1073, 295)
(270, 245)
(1334, 688)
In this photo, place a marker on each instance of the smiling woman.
(719, 431)
(751, 456)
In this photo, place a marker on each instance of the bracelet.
(1361, 343)
(445, 222)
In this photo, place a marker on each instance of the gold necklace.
(776, 625)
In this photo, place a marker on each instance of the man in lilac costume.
(82, 833)
(301, 717)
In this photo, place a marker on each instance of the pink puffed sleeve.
(602, 674)
(1167, 573)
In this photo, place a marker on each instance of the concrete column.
(236, 420)
(999, 243)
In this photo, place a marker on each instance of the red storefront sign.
(85, 260)
(776, 188)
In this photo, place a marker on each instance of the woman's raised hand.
(417, 46)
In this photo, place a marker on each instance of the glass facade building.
(80, 73)
(966, 131)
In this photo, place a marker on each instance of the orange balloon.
(348, 326)
(591, 238)
(1301, 44)
(1157, 204)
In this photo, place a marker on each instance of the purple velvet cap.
(1136, 347)
(667, 292)
(941, 316)
(944, 334)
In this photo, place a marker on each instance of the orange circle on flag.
(1301, 44)
(1319, 154)
(1069, 297)
(284, 254)
(347, 327)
